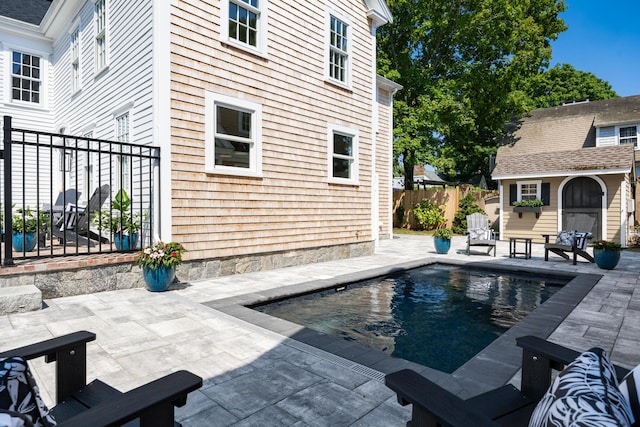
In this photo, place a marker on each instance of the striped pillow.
(629, 389)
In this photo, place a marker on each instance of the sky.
(603, 37)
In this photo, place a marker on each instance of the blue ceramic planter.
(24, 242)
(442, 245)
(606, 259)
(158, 279)
(124, 242)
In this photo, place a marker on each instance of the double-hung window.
(233, 135)
(100, 15)
(343, 154)
(244, 24)
(338, 50)
(26, 77)
(75, 59)
(123, 132)
(629, 135)
(612, 135)
(529, 190)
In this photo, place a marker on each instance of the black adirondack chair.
(504, 406)
(582, 227)
(97, 403)
(75, 223)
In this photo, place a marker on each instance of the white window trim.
(354, 134)
(75, 29)
(618, 128)
(107, 38)
(255, 158)
(44, 64)
(119, 161)
(616, 136)
(261, 48)
(327, 47)
(538, 183)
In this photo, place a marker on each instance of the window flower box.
(521, 209)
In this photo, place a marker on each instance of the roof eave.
(387, 84)
(378, 12)
(553, 174)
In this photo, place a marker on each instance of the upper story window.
(338, 50)
(101, 34)
(629, 135)
(26, 77)
(343, 154)
(614, 135)
(233, 136)
(75, 60)
(245, 25)
(123, 132)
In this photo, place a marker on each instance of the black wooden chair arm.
(432, 403)
(153, 403)
(51, 347)
(539, 358)
(70, 354)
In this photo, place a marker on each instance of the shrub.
(429, 215)
(400, 215)
(466, 206)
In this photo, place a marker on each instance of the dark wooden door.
(582, 197)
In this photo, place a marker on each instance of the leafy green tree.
(563, 83)
(461, 63)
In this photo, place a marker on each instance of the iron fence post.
(8, 242)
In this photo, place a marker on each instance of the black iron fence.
(67, 195)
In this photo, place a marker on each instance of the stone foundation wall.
(110, 277)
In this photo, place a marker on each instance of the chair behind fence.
(65, 195)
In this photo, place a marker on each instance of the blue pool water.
(439, 316)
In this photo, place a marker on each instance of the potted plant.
(442, 240)
(158, 263)
(534, 205)
(606, 254)
(25, 225)
(120, 221)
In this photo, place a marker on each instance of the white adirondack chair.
(479, 233)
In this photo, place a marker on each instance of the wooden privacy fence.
(447, 197)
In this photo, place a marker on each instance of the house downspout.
(375, 180)
(162, 223)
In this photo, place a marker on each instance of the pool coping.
(492, 367)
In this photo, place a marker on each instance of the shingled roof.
(31, 11)
(618, 159)
(558, 140)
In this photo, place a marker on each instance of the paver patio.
(256, 377)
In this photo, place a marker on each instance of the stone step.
(18, 299)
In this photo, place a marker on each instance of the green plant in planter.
(607, 245)
(118, 219)
(529, 203)
(443, 233)
(27, 221)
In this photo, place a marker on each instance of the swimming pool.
(438, 316)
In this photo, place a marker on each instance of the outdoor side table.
(513, 247)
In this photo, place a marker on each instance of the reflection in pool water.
(439, 316)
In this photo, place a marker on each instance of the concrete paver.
(256, 377)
